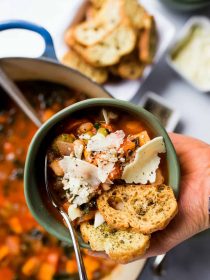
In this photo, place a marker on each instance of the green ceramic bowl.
(34, 166)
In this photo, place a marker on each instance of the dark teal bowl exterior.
(31, 186)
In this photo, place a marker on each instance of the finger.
(175, 233)
(182, 142)
(187, 149)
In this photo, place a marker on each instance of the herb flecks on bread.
(120, 245)
(129, 67)
(143, 208)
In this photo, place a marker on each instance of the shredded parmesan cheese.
(143, 168)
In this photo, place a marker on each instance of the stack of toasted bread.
(118, 37)
(131, 213)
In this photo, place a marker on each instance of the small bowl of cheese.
(190, 54)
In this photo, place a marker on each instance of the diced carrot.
(143, 137)
(13, 243)
(4, 251)
(3, 118)
(31, 266)
(6, 273)
(128, 145)
(48, 113)
(8, 148)
(53, 258)
(46, 272)
(71, 266)
(91, 265)
(15, 225)
(132, 127)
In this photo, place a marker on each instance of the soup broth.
(27, 251)
(71, 140)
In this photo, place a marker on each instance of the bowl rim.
(85, 104)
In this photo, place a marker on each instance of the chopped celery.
(103, 131)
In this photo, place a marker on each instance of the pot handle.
(49, 51)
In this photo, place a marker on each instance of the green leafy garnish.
(97, 125)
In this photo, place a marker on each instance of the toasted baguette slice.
(134, 12)
(107, 19)
(94, 8)
(91, 13)
(69, 37)
(129, 67)
(122, 245)
(108, 52)
(147, 40)
(73, 60)
(98, 4)
(144, 208)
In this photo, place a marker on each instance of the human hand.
(193, 216)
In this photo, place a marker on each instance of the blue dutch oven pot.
(46, 67)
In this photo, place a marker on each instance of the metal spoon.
(13, 91)
(81, 268)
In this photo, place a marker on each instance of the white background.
(56, 15)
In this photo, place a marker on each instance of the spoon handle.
(13, 91)
(80, 263)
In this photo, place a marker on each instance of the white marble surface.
(55, 15)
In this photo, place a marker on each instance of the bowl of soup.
(90, 147)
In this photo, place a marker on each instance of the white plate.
(126, 89)
(128, 271)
